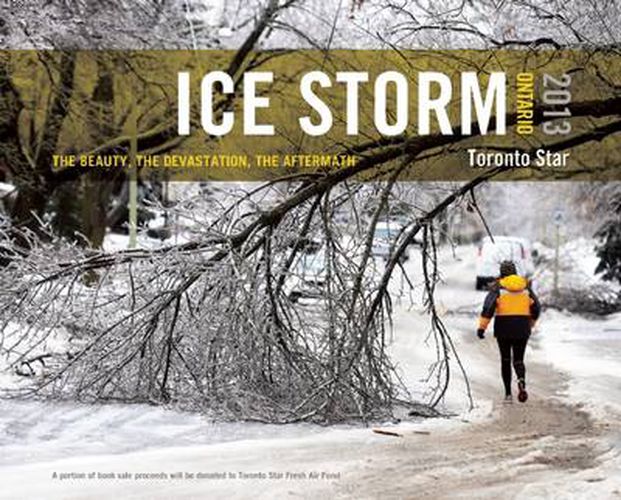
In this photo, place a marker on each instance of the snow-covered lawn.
(547, 448)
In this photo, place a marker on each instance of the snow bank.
(6, 188)
(17, 365)
(43, 431)
(587, 351)
(580, 288)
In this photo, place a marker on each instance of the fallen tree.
(210, 324)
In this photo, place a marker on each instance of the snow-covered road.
(564, 443)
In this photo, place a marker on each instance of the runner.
(516, 308)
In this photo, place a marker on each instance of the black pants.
(518, 347)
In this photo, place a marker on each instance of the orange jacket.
(515, 306)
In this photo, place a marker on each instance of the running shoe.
(522, 394)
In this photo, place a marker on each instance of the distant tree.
(609, 249)
(78, 204)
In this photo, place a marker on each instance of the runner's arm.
(535, 308)
(489, 308)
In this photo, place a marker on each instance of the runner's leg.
(519, 347)
(505, 363)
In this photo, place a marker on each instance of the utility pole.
(133, 180)
(558, 220)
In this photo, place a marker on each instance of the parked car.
(492, 252)
(384, 237)
(308, 276)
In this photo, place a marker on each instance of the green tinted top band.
(197, 115)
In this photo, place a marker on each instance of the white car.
(493, 252)
(308, 276)
(384, 237)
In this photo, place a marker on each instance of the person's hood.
(513, 283)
